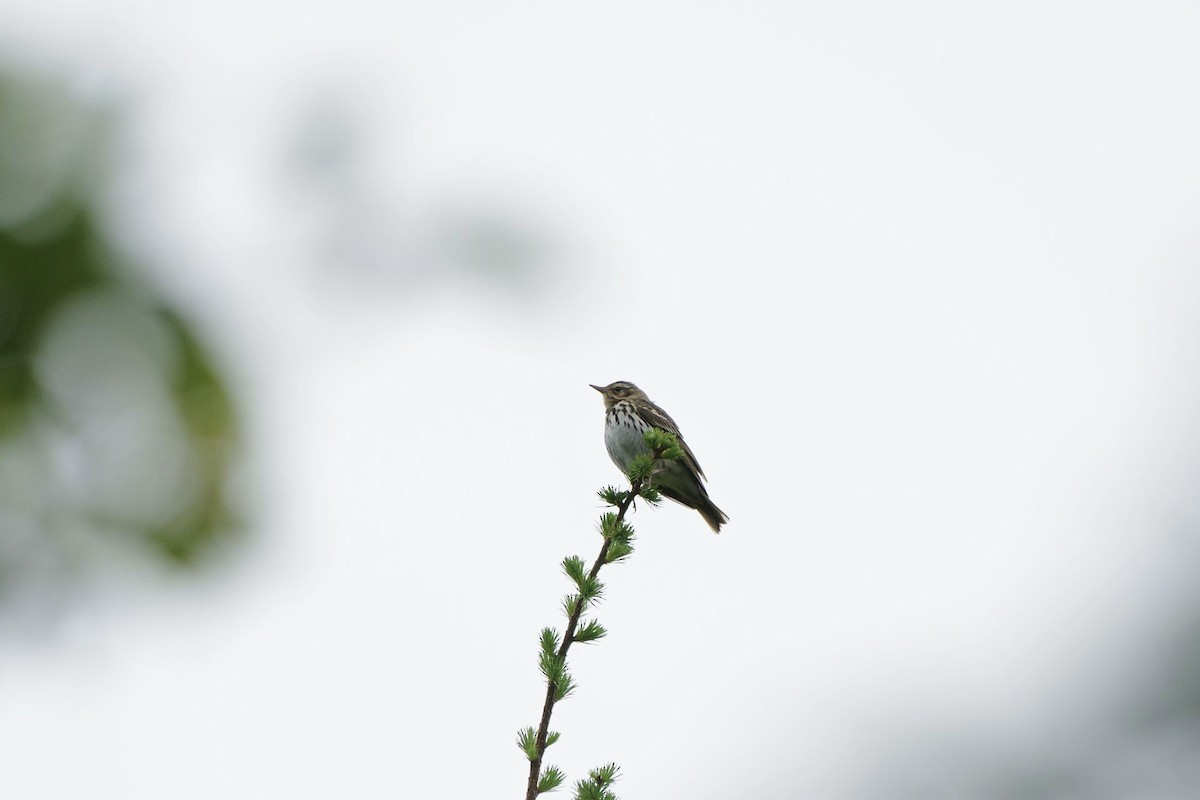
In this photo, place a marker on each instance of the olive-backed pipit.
(628, 415)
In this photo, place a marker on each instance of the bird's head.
(619, 390)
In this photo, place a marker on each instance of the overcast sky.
(919, 285)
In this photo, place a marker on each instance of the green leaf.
(658, 439)
(651, 495)
(527, 741)
(612, 496)
(551, 779)
(563, 685)
(606, 774)
(570, 602)
(549, 641)
(552, 666)
(592, 590)
(617, 551)
(587, 790)
(620, 543)
(576, 570)
(665, 445)
(641, 468)
(595, 786)
(590, 632)
(612, 528)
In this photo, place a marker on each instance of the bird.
(628, 414)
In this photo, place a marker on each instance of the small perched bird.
(629, 414)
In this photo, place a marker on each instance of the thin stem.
(535, 765)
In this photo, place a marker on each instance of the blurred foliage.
(35, 276)
(116, 428)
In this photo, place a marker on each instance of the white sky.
(919, 285)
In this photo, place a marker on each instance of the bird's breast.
(623, 430)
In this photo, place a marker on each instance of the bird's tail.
(685, 488)
(714, 516)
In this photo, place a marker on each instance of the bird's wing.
(656, 417)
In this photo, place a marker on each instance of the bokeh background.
(298, 309)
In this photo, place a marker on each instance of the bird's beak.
(599, 389)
